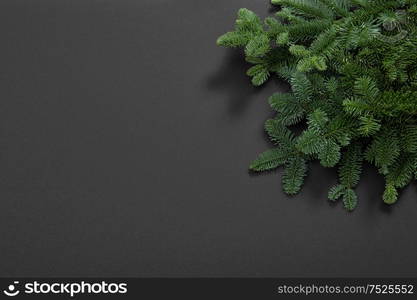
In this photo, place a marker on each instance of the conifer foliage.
(352, 68)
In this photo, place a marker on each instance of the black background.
(125, 136)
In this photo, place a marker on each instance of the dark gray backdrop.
(125, 136)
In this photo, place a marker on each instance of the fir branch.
(352, 68)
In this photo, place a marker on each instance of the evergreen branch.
(352, 69)
(293, 178)
(269, 160)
